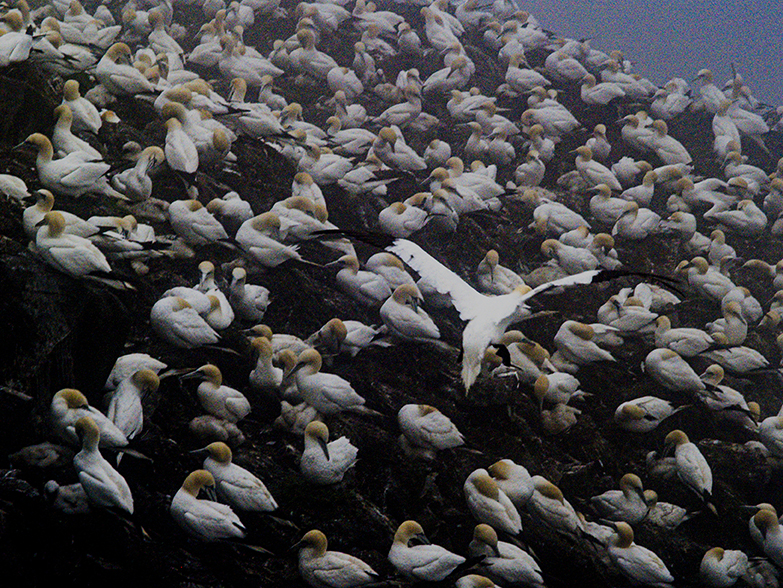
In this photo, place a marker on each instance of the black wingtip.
(380, 240)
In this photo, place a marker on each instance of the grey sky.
(672, 38)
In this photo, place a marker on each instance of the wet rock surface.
(59, 332)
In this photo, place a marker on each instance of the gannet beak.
(422, 538)
(324, 447)
(211, 493)
(191, 375)
(198, 451)
(41, 222)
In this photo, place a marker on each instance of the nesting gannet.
(403, 317)
(593, 172)
(204, 519)
(637, 563)
(671, 371)
(514, 480)
(70, 499)
(248, 300)
(400, 220)
(85, 114)
(217, 399)
(494, 278)
(125, 405)
(64, 141)
(69, 405)
(127, 365)
(121, 78)
(234, 484)
(327, 393)
(177, 322)
(325, 462)
(627, 504)
(722, 568)
(427, 562)
(740, 360)
(771, 434)
(194, 223)
(427, 430)
(685, 341)
(549, 507)
(644, 414)
(489, 504)
(331, 569)
(367, 287)
(691, 467)
(103, 484)
(771, 535)
(574, 342)
(503, 561)
(135, 183)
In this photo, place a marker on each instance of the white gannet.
(64, 141)
(636, 223)
(204, 519)
(504, 562)
(125, 409)
(643, 414)
(686, 342)
(69, 405)
(514, 480)
(403, 317)
(721, 568)
(574, 342)
(177, 322)
(692, 469)
(626, 504)
(127, 365)
(135, 183)
(671, 371)
(401, 220)
(261, 237)
(249, 301)
(549, 507)
(103, 484)
(494, 278)
(366, 286)
(640, 565)
(338, 336)
(234, 484)
(194, 223)
(593, 172)
(218, 399)
(426, 430)
(771, 434)
(85, 114)
(327, 393)
(117, 75)
(324, 462)
(331, 569)
(489, 504)
(427, 562)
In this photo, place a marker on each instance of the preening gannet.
(234, 484)
(431, 563)
(204, 519)
(331, 569)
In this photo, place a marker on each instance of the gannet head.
(320, 433)
(547, 489)
(88, 432)
(492, 258)
(196, 481)
(407, 295)
(550, 246)
(581, 330)
(208, 372)
(316, 541)
(262, 346)
(118, 52)
(410, 530)
(146, 380)
(675, 439)
(484, 484)
(309, 360)
(72, 398)
(624, 536)
(220, 452)
(631, 483)
(388, 134)
(584, 152)
(631, 412)
(765, 520)
(713, 374)
(663, 323)
(501, 469)
(55, 222)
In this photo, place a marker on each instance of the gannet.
(747, 220)
(604, 208)
(636, 223)
(707, 281)
(125, 409)
(69, 405)
(234, 484)
(556, 388)
(403, 317)
(686, 342)
(401, 221)
(70, 499)
(177, 322)
(574, 342)
(204, 519)
(127, 365)
(193, 222)
(64, 141)
(691, 467)
(549, 507)
(217, 399)
(771, 535)
(327, 393)
(85, 114)
(325, 462)
(338, 336)
(671, 371)
(644, 414)
(103, 485)
(727, 402)
(603, 93)
(531, 172)
(135, 183)
(573, 260)
(427, 430)
(494, 278)
(593, 172)
(489, 504)
(44, 203)
(627, 504)
(514, 480)
(331, 569)
(637, 563)
(121, 78)
(722, 568)
(771, 434)
(503, 561)
(249, 301)
(427, 562)
(740, 360)
(367, 287)
(261, 237)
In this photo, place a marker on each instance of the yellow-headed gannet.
(692, 469)
(721, 568)
(671, 371)
(327, 393)
(331, 569)
(626, 504)
(204, 519)
(249, 301)
(504, 562)
(325, 462)
(643, 414)
(125, 405)
(69, 405)
(640, 565)
(217, 399)
(177, 322)
(234, 484)
(514, 480)
(489, 504)
(403, 317)
(103, 484)
(549, 507)
(427, 430)
(427, 562)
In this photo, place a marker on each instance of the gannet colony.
(343, 294)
